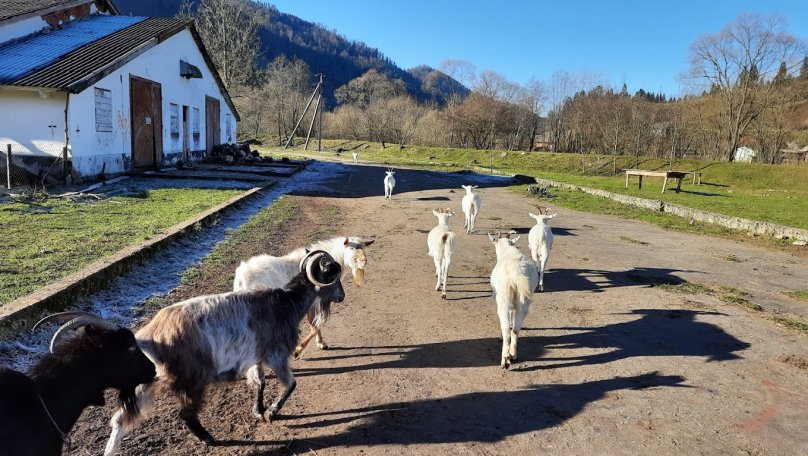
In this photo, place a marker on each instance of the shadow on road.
(594, 280)
(473, 417)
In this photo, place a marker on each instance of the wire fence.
(23, 169)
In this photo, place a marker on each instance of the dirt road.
(607, 365)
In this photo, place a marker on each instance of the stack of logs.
(235, 154)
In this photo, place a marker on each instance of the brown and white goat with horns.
(219, 337)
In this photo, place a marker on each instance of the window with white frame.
(228, 126)
(103, 110)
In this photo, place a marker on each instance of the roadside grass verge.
(801, 295)
(772, 193)
(241, 243)
(45, 241)
(726, 294)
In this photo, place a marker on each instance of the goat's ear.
(551, 216)
(474, 186)
(435, 213)
(306, 249)
(492, 238)
(532, 215)
(513, 241)
(367, 243)
(346, 242)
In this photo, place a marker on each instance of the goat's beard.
(127, 399)
(358, 276)
(322, 311)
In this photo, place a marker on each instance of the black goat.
(39, 409)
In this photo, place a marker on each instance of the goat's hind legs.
(190, 404)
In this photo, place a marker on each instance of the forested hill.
(325, 51)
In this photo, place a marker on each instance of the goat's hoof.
(270, 415)
(258, 414)
(443, 295)
(506, 363)
(322, 346)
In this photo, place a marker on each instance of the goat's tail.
(447, 245)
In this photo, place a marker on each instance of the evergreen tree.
(782, 74)
(624, 90)
(804, 68)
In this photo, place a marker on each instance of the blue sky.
(642, 43)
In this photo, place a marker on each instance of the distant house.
(106, 92)
(744, 154)
(792, 153)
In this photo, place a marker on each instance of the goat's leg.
(280, 365)
(255, 375)
(505, 329)
(314, 331)
(444, 276)
(542, 266)
(519, 318)
(122, 425)
(190, 404)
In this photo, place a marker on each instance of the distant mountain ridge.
(325, 51)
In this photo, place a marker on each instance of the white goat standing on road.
(512, 282)
(471, 207)
(355, 157)
(442, 243)
(389, 183)
(540, 240)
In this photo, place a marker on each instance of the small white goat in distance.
(267, 271)
(540, 240)
(218, 337)
(512, 282)
(355, 157)
(471, 207)
(389, 183)
(442, 243)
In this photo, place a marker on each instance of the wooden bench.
(678, 175)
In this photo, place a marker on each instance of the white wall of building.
(32, 122)
(21, 28)
(161, 64)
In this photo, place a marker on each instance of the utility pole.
(317, 90)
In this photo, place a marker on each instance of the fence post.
(8, 167)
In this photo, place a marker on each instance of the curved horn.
(311, 258)
(74, 320)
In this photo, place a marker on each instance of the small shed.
(744, 154)
(106, 92)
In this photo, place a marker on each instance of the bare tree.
(229, 29)
(737, 63)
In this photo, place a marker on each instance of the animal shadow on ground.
(657, 332)
(557, 231)
(469, 417)
(596, 281)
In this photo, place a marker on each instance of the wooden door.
(146, 102)
(212, 123)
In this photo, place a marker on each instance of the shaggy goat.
(512, 282)
(442, 243)
(389, 183)
(38, 410)
(540, 240)
(208, 338)
(471, 207)
(266, 271)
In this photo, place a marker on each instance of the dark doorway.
(212, 124)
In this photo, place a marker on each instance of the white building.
(108, 92)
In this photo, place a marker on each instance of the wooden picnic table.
(678, 175)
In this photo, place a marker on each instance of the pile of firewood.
(235, 154)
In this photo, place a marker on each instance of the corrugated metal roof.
(14, 8)
(92, 58)
(23, 57)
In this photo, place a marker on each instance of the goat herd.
(190, 344)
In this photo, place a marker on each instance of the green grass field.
(772, 193)
(42, 242)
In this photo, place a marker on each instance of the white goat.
(540, 240)
(442, 243)
(471, 207)
(355, 157)
(267, 271)
(389, 183)
(512, 282)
